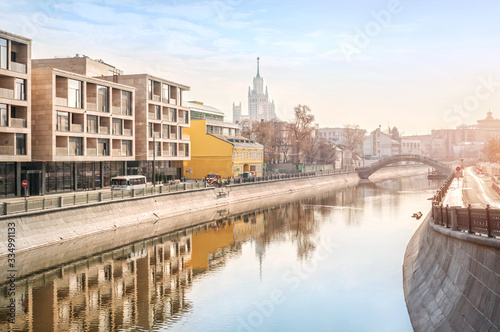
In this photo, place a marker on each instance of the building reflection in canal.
(143, 285)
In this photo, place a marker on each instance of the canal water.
(331, 262)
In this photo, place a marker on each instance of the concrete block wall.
(451, 284)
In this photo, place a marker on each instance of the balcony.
(156, 98)
(6, 150)
(104, 130)
(186, 137)
(61, 102)
(166, 153)
(6, 93)
(116, 110)
(77, 128)
(151, 116)
(156, 134)
(19, 67)
(18, 123)
(173, 101)
(61, 151)
(117, 152)
(91, 106)
(91, 152)
(127, 132)
(181, 154)
(173, 136)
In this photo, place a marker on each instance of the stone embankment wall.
(451, 280)
(165, 212)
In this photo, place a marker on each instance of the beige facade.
(160, 118)
(82, 65)
(79, 118)
(15, 98)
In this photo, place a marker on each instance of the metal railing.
(68, 200)
(471, 220)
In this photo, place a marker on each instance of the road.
(474, 189)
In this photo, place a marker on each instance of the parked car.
(246, 175)
(211, 178)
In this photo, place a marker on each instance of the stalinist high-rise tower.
(259, 106)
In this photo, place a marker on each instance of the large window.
(102, 98)
(103, 146)
(74, 93)
(150, 90)
(20, 144)
(127, 148)
(59, 177)
(75, 146)
(117, 127)
(92, 124)
(7, 179)
(4, 119)
(3, 53)
(165, 93)
(127, 102)
(63, 121)
(157, 112)
(20, 89)
(172, 114)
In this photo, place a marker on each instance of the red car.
(211, 178)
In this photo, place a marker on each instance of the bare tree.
(353, 137)
(492, 149)
(301, 131)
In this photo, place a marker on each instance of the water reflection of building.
(135, 286)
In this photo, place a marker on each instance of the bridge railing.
(415, 156)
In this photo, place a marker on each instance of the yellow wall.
(207, 242)
(212, 155)
(208, 154)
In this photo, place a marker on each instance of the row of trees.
(298, 142)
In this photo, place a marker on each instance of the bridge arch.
(365, 172)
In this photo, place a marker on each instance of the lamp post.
(154, 157)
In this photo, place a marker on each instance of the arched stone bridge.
(365, 172)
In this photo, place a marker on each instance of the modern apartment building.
(15, 110)
(161, 119)
(83, 128)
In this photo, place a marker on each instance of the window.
(4, 120)
(165, 93)
(102, 99)
(75, 146)
(21, 144)
(62, 121)
(150, 90)
(74, 93)
(127, 102)
(172, 114)
(3, 53)
(103, 146)
(150, 129)
(127, 148)
(117, 127)
(20, 89)
(92, 124)
(157, 112)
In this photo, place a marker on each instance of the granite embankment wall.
(451, 280)
(154, 215)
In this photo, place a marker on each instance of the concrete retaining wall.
(451, 283)
(167, 212)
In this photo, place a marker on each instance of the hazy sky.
(413, 64)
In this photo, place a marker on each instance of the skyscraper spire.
(258, 74)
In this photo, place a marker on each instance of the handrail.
(68, 200)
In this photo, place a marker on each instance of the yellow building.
(217, 147)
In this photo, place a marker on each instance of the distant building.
(417, 144)
(339, 136)
(380, 145)
(259, 105)
(199, 111)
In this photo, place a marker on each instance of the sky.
(414, 64)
